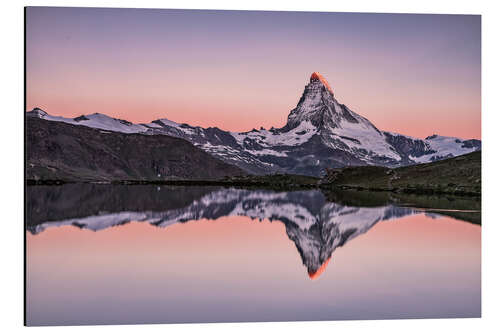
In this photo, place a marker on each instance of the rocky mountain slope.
(320, 133)
(56, 150)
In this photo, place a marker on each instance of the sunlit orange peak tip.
(319, 271)
(318, 76)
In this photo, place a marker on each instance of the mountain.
(319, 133)
(316, 226)
(60, 151)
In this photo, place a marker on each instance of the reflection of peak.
(313, 275)
(338, 225)
(316, 226)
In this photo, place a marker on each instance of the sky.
(413, 74)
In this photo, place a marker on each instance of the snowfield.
(295, 137)
(445, 146)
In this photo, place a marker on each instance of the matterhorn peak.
(319, 77)
(318, 106)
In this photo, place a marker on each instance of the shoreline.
(263, 185)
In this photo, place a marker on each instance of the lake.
(117, 254)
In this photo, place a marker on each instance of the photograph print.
(199, 166)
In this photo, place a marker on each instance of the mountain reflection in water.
(316, 226)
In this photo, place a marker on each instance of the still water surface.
(144, 254)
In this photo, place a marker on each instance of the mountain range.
(320, 133)
(64, 152)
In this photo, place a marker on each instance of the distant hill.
(61, 151)
(458, 175)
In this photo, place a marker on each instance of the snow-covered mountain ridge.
(320, 133)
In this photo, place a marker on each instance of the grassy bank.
(458, 176)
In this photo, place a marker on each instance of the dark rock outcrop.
(57, 150)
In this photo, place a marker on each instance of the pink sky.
(413, 74)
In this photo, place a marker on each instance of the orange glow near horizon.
(413, 74)
(232, 114)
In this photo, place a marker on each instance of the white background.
(12, 155)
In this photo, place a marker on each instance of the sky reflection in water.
(240, 255)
